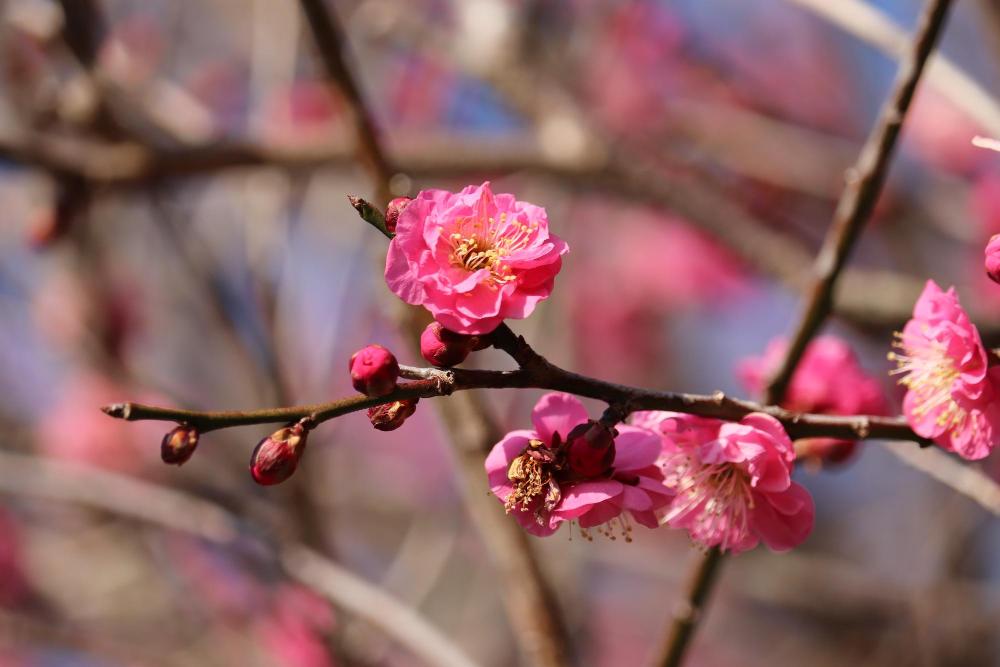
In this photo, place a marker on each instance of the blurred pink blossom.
(941, 133)
(951, 393)
(74, 428)
(14, 585)
(301, 114)
(828, 380)
(732, 481)
(472, 258)
(659, 264)
(527, 472)
(293, 630)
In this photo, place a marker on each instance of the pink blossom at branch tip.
(828, 380)
(473, 258)
(374, 370)
(952, 392)
(528, 471)
(731, 482)
(992, 260)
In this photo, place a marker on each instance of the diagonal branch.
(332, 46)
(432, 382)
(864, 183)
(530, 604)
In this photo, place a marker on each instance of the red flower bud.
(590, 449)
(178, 445)
(993, 258)
(390, 416)
(374, 370)
(275, 457)
(445, 348)
(393, 210)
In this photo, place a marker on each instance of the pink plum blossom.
(992, 258)
(828, 380)
(731, 482)
(951, 393)
(473, 259)
(528, 472)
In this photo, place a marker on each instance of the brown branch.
(540, 374)
(530, 605)
(867, 22)
(332, 46)
(688, 614)
(864, 183)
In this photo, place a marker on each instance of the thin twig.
(171, 509)
(864, 183)
(529, 603)
(872, 25)
(332, 46)
(686, 617)
(431, 382)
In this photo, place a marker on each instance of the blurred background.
(174, 229)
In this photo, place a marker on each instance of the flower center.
(483, 243)
(930, 373)
(717, 496)
(532, 475)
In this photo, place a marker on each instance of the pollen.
(484, 243)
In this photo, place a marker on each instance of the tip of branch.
(117, 410)
(369, 214)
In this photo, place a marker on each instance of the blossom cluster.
(473, 259)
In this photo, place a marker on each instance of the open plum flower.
(952, 392)
(473, 258)
(529, 473)
(731, 481)
(828, 380)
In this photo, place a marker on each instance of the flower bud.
(390, 416)
(178, 445)
(445, 348)
(393, 210)
(993, 258)
(275, 457)
(590, 449)
(374, 370)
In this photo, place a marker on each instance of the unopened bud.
(590, 449)
(277, 456)
(178, 445)
(393, 211)
(993, 258)
(390, 416)
(444, 348)
(374, 370)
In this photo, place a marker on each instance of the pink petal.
(599, 514)
(635, 448)
(557, 413)
(781, 532)
(579, 497)
(505, 451)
